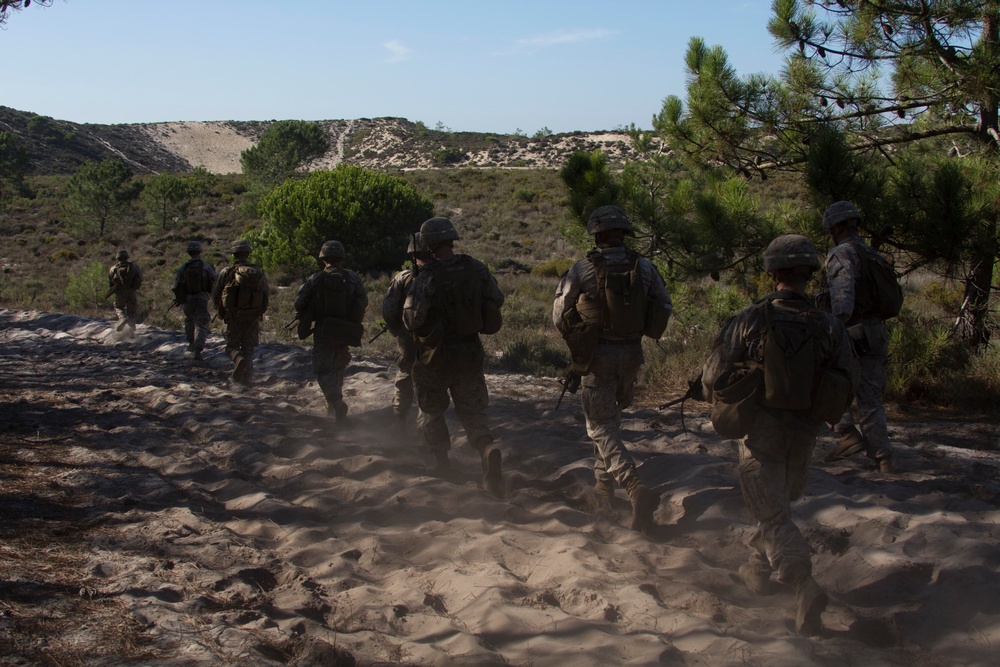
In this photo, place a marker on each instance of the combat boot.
(811, 600)
(492, 476)
(851, 442)
(885, 465)
(442, 464)
(604, 489)
(644, 503)
(756, 579)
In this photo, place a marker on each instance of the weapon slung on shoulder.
(385, 328)
(694, 391)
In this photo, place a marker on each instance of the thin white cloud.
(556, 38)
(397, 52)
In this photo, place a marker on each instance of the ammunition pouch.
(833, 396)
(339, 331)
(581, 339)
(737, 397)
(305, 328)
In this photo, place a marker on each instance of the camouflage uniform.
(774, 456)
(331, 355)
(195, 304)
(242, 330)
(843, 268)
(457, 367)
(609, 387)
(392, 313)
(126, 301)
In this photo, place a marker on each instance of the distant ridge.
(384, 144)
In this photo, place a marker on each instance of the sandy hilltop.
(384, 144)
(153, 513)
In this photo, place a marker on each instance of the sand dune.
(241, 526)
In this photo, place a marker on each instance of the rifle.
(570, 382)
(111, 290)
(694, 390)
(291, 325)
(385, 328)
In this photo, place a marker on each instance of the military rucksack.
(194, 277)
(124, 276)
(331, 295)
(244, 289)
(879, 292)
(459, 297)
(621, 295)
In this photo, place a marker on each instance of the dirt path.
(155, 514)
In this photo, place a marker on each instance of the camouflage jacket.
(395, 298)
(581, 278)
(842, 277)
(741, 341)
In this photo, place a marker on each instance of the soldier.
(604, 305)
(843, 271)
(392, 313)
(778, 370)
(453, 300)
(332, 303)
(192, 287)
(124, 279)
(241, 296)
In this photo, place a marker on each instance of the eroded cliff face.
(59, 147)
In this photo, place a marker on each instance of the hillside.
(59, 147)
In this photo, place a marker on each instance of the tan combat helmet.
(789, 251)
(838, 212)
(194, 247)
(332, 250)
(437, 230)
(122, 255)
(605, 218)
(241, 247)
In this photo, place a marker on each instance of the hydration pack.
(459, 297)
(878, 293)
(621, 295)
(194, 277)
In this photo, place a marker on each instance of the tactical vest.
(622, 302)
(332, 295)
(195, 278)
(458, 297)
(243, 290)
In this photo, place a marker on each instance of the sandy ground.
(153, 513)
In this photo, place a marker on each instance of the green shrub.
(553, 268)
(86, 289)
(525, 195)
(63, 255)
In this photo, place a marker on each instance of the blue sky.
(470, 65)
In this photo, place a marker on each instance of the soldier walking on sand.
(453, 300)
(777, 371)
(392, 314)
(192, 289)
(843, 281)
(331, 304)
(241, 296)
(124, 280)
(604, 305)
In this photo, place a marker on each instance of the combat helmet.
(416, 246)
(608, 217)
(437, 230)
(788, 251)
(122, 254)
(332, 250)
(838, 212)
(241, 247)
(193, 247)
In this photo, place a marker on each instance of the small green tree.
(87, 288)
(283, 148)
(166, 198)
(14, 164)
(372, 214)
(99, 195)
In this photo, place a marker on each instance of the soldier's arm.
(416, 306)
(567, 294)
(360, 299)
(657, 289)
(728, 349)
(841, 273)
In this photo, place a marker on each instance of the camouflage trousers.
(459, 375)
(330, 361)
(406, 353)
(196, 319)
(606, 392)
(868, 396)
(242, 335)
(773, 469)
(126, 308)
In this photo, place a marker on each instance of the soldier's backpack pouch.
(341, 331)
(581, 339)
(194, 279)
(621, 295)
(833, 396)
(790, 359)
(882, 295)
(244, 291)
(737, 396)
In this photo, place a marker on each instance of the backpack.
(458, 296)
(879, 292)
(621, 296)
(124, 276)
(194, 278)
(244, 290)
(332, 296)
